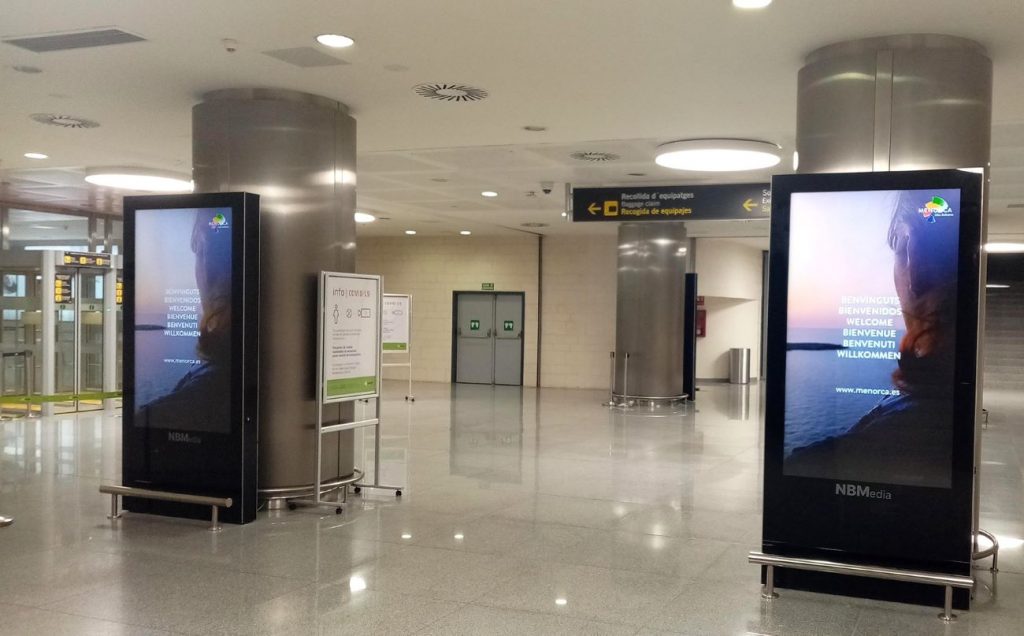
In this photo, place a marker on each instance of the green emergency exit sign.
(510, 325)
(486, 286)
(474, 325)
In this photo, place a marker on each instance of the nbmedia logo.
(185, 438)
(854, 490)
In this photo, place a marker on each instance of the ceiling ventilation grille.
(594, 156)
(63, 121)
(50, 42)
(450, 92)
(304, 57)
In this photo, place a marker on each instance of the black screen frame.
(212, 464)
(920, 528)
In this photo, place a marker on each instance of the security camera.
(547, 186)
(230, 45)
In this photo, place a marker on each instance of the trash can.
(739, 366)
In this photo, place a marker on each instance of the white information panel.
(350, 336)
(395, 321)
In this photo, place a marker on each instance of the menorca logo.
(856, 490)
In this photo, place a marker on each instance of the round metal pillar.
(905, 102)
(297, 151)
(650, 313)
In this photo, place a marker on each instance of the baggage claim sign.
(673, 203)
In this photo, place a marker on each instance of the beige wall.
(579, 310)
(729, 278)
(431, 268)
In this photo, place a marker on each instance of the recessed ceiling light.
(465, 232)
(139, 179)
(490, 194)
(410, 233)
(997, 286)
(406, 535)
(459, 536)
(1004, 248)
(357, 584)
(751, 4)
(363, 217)
(561, 601)
(535, 128)
(36, 155)
(717, 155)
(335, 41)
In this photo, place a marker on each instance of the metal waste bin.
(739, 366)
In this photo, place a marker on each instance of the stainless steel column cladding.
(649, 311)
(905, 102)
(297, 151)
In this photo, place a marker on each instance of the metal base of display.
(5, 521)
(948, 581)
(215, 503)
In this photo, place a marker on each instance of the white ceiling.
(632, 72)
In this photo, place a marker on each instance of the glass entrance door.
(20, 321)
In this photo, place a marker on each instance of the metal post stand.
(376, 461)
(768, 589)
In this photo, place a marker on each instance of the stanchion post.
(611, 379)
(947, 614)
(768, 591)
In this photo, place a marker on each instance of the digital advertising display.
(870, 406)
(183, 319)
(870, 336)
(191, 350)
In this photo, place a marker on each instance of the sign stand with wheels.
(348, 366)
(396, 323)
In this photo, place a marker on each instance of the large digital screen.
(871, 334)
(183, 322)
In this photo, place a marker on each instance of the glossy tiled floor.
(524, 512)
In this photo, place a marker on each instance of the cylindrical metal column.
(905, 102)
(649, 313)
(297, 151)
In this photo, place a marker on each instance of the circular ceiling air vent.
(450, 92)
(594, 156)
(24, 68)
(64, 121)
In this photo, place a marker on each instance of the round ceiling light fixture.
(410, 233)
(36, 155)
(450, 92)
(594, 156)
(364, 217)
(139, 179)
(490, 194)
(63, 121)
(718, 155)
(1004, 248)
(465, 232)
(335, 40)
(751, 4)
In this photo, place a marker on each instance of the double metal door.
(489, 338)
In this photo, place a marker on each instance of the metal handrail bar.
(215, 503)
(949, 581)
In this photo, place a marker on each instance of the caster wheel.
(398, 493)
(292, 505)
(337, 510)
(412, 399)
(357, 490)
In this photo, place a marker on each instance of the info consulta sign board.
(673, 203)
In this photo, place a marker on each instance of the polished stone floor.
(524, 512)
